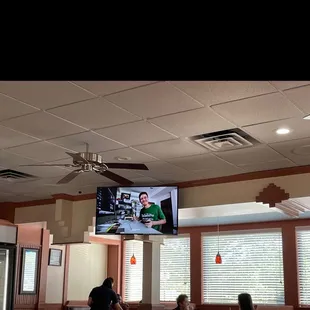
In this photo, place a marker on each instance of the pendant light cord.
(218, 235)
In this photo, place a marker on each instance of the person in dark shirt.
(183, 303)
(245, 302)
(101, 297)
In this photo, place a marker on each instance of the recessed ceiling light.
(283, 131)
(307, 117)
(122, 158)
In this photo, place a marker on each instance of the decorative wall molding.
(271, 195)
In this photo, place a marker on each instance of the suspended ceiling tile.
(44, 94)
(283, 85)
(136, 133)
(214, 92)
(200, 162)
(191, 123)
(300, 97)
(134, 156)
(40, 151)
(10, 138)
(94, 114)
(297, 151)
(10, 107)
(108, 87)
(266, 132)
(154, 100)
(145, 181)
(171, 149)
(42, 125)
(77, 142)
(250, 155)
(10, 160)
(278, 164)
(256, 110)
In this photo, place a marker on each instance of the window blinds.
(133, 273)
(252, 262)
(174, 268)
(303, 256)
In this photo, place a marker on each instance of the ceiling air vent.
(225, 140)
(9, 174)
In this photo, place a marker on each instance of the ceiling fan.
(92, 162)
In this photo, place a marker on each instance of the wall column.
(196, 267)
(151, 275)
(290, 264)
(114, 264)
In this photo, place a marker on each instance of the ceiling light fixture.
(307, 117)
(122, 158)
(283, 131)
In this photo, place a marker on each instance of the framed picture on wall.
(55, 257)
(29, 271)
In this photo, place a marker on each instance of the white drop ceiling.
(149, 122)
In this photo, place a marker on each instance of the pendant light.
(133, 260)
(218, 258)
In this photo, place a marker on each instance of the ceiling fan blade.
(49, 165)
(77, 157)
(115, 177)
(127, 166)
(69, 177)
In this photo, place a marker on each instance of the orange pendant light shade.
(218, 258)
(133, 260)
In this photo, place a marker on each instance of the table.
(128, 227)
(136, 228)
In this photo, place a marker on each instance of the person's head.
(144, 198)
(111, 279)
(107, 283)
(182, 301)
(245, 301)
(119, 297)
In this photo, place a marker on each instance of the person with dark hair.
(183, 303)
(101, 297)
(151, 214)
(245, 302)
(108, 283)
(111, 279)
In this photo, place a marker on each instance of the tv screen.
(137, 210)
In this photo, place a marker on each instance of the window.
(174, 268)
(133, 273)
(303, 254)
(252, 262)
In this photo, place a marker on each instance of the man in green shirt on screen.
(151, 215)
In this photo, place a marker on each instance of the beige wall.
(83, 213)
(68, 221)
(55, 278)
(244, 191)
(87, 269)
(35, 214)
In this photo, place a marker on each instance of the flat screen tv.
(137, 210)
